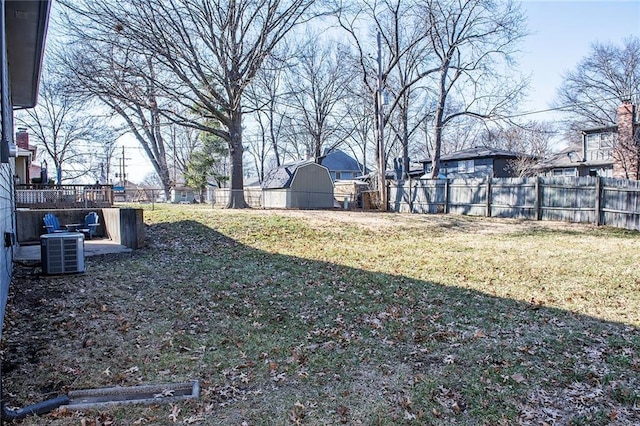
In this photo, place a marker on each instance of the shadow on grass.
(279, 339)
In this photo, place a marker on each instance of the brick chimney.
(22, 138)
(626, 157)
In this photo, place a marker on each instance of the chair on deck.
(91, 223)
(52, 223)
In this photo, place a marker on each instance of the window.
(606, 140)
(569, 172)
(599, 146)
(466, 166)
(593, 142)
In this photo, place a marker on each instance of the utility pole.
(382, 184)
(122, 175)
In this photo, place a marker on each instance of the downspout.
(35, 409)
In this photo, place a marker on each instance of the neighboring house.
(477, 162)
(571, 162)
(610, 151)
(299, 185)
(24, 159)
(342, 166)
(183, 194)
(24, 27)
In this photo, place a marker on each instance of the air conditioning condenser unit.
(62, 253)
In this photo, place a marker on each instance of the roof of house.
(26, 28)
(477, 152)
(337, 160)
(281, 177)
(571, 156)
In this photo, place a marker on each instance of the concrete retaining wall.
(124, 226)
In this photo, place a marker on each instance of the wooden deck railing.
(37, 196)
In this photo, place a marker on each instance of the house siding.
(7, 218)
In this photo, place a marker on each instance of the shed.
(299, 185)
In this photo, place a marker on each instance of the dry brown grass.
(294, 317)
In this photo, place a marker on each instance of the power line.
(560, 108)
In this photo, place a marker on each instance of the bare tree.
(264, 96)
(125, 82)
(63, 126)
(182, 142)
(593, 91)
(316, 85)
(404, 39)
(211, 51)
(358, 123)
(471, 41)
(532, 140)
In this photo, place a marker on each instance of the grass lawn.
(340, 318)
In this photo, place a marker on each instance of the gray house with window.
(478, 162)
(593, 157)
(342, 166)
(610, 151)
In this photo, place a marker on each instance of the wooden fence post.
(446, 195)
(538, 204)
(387, 191)
(488, 213)
(598, 205)
(410, 197)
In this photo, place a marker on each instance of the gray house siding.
(22, 34)
(478, 162)
(6, 205)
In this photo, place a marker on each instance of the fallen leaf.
(174, 413)
(164, 394)
(479, 334)
(518, 378)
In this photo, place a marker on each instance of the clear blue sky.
(561, 35)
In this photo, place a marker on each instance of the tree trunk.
(272, 133)
(236, 197)
(405, 137)
(437, 131)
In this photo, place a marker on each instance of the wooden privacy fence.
(597, 200)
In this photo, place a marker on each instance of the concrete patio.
(96, 247)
